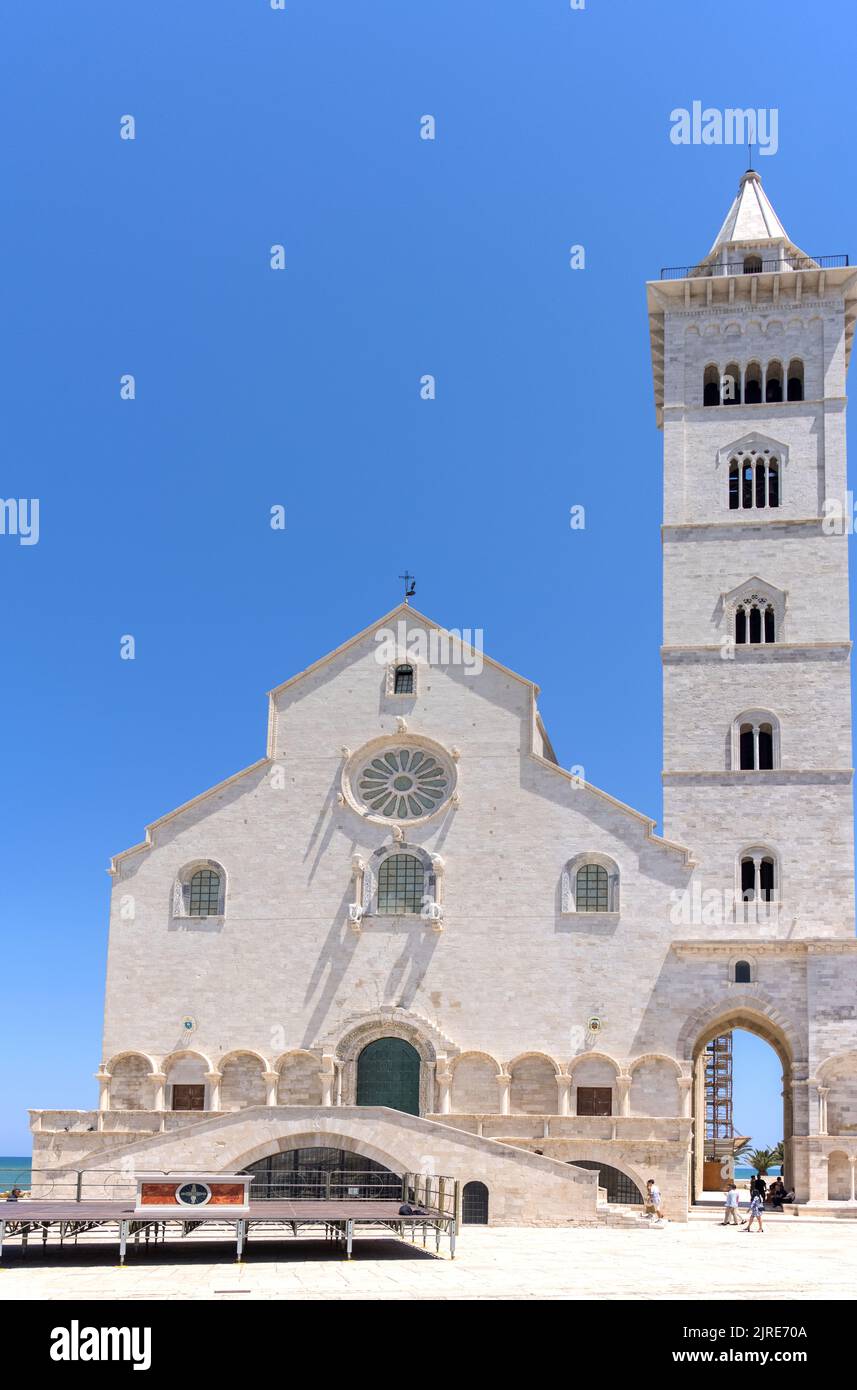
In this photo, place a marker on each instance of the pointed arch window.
(755, 621)
(743, 973)
(752, 265)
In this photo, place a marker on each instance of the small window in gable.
(204, 894)
(200, 890)
(403, 680)
(590, 883)
(590, 889)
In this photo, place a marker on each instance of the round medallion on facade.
(401, 782)
(193, 1194)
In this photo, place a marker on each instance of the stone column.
(103, 1078)
(853, 1178)
(623, 1093)
(159, 1079)
(270, 1079)
(822, 1108)
(443, 1077)
(563, 1085)
(504, 1082)
(685, 1088)
(328, 1076)
(214, 1079)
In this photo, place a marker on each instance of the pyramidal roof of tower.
(751, 220)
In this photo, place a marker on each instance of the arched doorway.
(388, 1073)
(318, 1172)
(620, 1187)
(474, 1204)
(716, 1119)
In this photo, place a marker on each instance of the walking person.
(730, 1215)
(757, 1206)
(655, 1202)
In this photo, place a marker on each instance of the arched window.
(758, 876)
(200, 890)
(753, 384)
(204, 894)
(752, 265)
(755, 742)
(795, 380)
(403, 680)
(731, 385)
(754, 480)
(774, 382)
(401, 885)
(742, 972)
(591, 889)
(711, 386)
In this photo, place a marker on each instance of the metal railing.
(782, 265)
(435, 1193)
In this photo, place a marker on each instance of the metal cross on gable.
(410, 585)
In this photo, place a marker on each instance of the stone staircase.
(615, 1214)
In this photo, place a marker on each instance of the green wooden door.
(388, 1073)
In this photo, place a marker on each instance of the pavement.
(698, 1260)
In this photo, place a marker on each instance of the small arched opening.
(474, 1204)
(794, 389)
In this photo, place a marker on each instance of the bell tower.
(750, 348)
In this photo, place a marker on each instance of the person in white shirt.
(654, 1201)
(730, 1216)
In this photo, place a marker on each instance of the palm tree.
(763, 1159)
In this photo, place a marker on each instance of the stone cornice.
(810, 946)
(777, 776)
(770, 653)
(724, 525)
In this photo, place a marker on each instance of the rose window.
(403, 783)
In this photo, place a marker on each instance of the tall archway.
(750, 1019)
(388, 1073)
(320, 1172)
(620, 1186)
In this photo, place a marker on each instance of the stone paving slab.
(700, 1260)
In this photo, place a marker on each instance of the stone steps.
(614, 1214)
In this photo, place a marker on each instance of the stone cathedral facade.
(409, 934)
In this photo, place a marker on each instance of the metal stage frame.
(339, 1220)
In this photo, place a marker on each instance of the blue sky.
(301, 388)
